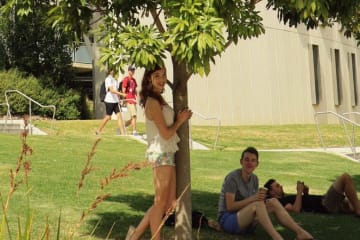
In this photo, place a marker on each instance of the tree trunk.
(97, 76)
(183, 177)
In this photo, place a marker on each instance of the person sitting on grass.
(242, 205)
(341, 197)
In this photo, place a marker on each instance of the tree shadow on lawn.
(321, 226)
(201, 201)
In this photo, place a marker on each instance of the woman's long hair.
(147, 88)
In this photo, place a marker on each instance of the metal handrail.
(343, 119)
(30, 101)
(351, 113)
(209, 118)
(8, 114)
(353, 135)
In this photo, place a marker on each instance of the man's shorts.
(333, 201)
(229, 223)
(111, 107)
(132, 109)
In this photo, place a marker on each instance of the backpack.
(102, 93)
(198, 219)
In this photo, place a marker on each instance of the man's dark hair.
(110, 69)
(250, 150)
(269, 183)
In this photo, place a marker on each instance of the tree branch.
(171, 85)
(96, 20)
(228, 44)
(157, 21)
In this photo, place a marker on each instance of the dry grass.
(113, 175)
(17, 178)
(170, 211)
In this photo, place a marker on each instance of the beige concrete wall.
(267, 80)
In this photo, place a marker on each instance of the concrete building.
(283, 77)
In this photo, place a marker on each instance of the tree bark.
(97, 76)
(183, 177)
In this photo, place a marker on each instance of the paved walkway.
(345, 152)
(341, 151)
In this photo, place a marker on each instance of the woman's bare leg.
(141, 228)
(163, 183)
(172, 191)
(162, 187)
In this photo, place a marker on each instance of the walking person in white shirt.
(112, 102)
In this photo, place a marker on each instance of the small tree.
(193, 33)
(34, 47)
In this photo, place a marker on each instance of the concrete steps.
(16, 126)
(10, 127)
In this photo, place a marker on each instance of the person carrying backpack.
(129, 86)
(111, 101)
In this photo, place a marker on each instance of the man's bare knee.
(346, 177)
(258, 205)
(343, 180)
(273, 202)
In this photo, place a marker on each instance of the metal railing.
(351, 113)
(30, 101)
(209, 118)
(343, 120)
(8, 114)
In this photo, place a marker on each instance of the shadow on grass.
(202, 201)
(321, 226)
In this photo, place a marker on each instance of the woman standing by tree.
(162, 145)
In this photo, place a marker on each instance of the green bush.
(66, 101)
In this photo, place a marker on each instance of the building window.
(315, 74)
(353, 79)
(337, 78)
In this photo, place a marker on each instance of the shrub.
(66, 101)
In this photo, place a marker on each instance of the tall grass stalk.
(170, 211)
(114, 174)
(17, 177)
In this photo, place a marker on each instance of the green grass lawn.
(59, 158)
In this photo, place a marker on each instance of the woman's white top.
(155, 142)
